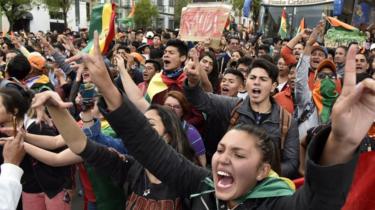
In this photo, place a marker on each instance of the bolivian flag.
(161, 82)
(103, 21)
(283, 25)
(156, 86)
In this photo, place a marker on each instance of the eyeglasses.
(173, 106)
(323, 75)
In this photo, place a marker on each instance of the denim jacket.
(94, 134)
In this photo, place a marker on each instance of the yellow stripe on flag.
(156, 86)
(106, 21)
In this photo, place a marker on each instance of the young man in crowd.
(223, 59)
(157, 48)
(340, 57)
(257, 109)
(232, 83)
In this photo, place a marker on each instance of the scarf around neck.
(272, 186)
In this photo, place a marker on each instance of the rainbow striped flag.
(103, 21)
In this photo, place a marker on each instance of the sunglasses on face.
(323, 75)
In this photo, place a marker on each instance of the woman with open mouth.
(241, 167)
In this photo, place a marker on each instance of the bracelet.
(87, 121)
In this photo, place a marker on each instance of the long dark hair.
(16, 102)
(214, 75)
(173, 127)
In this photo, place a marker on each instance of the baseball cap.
(326, 63)
(36, 60)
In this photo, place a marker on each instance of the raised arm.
(63, 158)
(45, 142)
(142, 141)
(193, 63)
(302, 91)
(333, 152)
(131, 89)
(42, 141)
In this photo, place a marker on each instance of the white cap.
(149, 35)
(372, 47)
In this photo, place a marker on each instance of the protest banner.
(342, 34)
(202, 21)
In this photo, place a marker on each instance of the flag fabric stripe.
(156, 86)
(337, 23)
(283, 25)
(95, 21)
(301, 26)
(103, 21)
(132, 10)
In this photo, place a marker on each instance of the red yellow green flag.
(103, 21)
(156, 86)
(283, 26)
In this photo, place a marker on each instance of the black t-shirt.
(39, 177)
(146, 195)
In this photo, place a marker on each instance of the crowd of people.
(160, 123)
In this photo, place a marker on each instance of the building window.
(160, 3)
(160, 22)
(88, 11)
(56, 15)
(171, 3)
(171, 24)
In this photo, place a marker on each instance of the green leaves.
(144, 12)
(14, 9)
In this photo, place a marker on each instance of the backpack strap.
(285, 123)
(234, 115)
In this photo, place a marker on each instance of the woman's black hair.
(264, 142)
(16, 102)
(213, 77)
(173, 126)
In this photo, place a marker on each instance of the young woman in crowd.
(137, 181)
(180, 105)
(44, 187)
(241, 171)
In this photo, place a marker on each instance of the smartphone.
(87, 91)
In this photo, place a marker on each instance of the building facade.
(165, 8)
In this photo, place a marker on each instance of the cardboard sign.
(202, 21)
